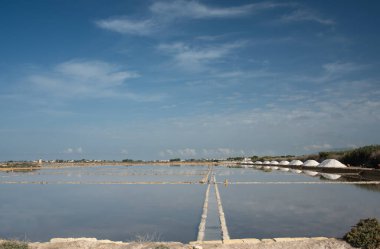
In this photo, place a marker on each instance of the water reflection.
(370, 187)
(172, 212)
(265, 211)
(116, 212)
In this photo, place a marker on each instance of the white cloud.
(186, 153)
(124, 152)
(78, 150)
(222, 152)
(302, 15)
(84, 78)
(342, 67)
(197, 10)
(126, 26)
(163, 13)
(195, 58)
(333, 71)
(317, 147)
(193, 153)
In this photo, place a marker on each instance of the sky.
(110, 79)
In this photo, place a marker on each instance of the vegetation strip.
(222, 218)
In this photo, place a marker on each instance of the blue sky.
(189, 79)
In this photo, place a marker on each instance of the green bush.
(368, 156)
(366, 234)
(13, 245)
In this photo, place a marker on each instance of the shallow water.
(267, 211)
(111, 174)
(116, 212)
(172, 212)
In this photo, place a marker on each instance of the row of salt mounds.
(284, 163)
(296, 163)
(310, 163)
(275, 163)
(332, 163)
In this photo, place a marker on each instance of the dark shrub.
(366, 234)
(368, 156)
(13, 245)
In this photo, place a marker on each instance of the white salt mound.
(273, 162)
(266, 162)
(258, 162)
(332, 163)
(310, 163)
(296, 162)
(284, 163)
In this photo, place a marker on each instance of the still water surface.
(39, 212)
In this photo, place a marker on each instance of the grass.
(13, 244)
(366, 234)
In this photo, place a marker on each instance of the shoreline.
(95, 164)
(251, 243)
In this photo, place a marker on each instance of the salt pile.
(258, 162)
(266, 162)
(273, 162)
(332, 163)
(296, 162)
(310, 163)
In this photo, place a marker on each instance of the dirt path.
(90, 243)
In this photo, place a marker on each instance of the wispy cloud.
(78, 150)
(197, 10)
(332, 71)
(339, 67)
(84, 78)
(185, 153)
(221, 152)
(124, 25)
(195, 58)
(302, 15)
(163, 14)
